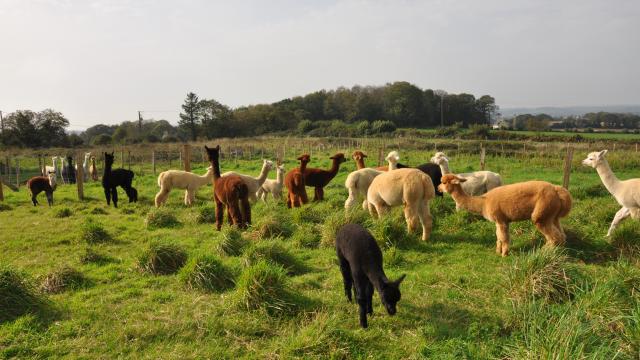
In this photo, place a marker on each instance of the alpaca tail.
(245, 207)
(565, 201)
(160, 178)
(429, 191)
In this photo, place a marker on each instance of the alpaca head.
(339, 157)
(595, 158)
(304, 158)
(108, 159)
(449, 182)
(87, 155)
(439, 158)
(280, 169)
(393, 157)
(213, 153)
(358, 155)
(52, 179)
(390, 294)
(267, 165)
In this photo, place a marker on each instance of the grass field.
(459, 299)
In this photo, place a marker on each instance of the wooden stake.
(567, 168)
(1, 193)
(80, 178)
(186, 148)
(153, 161)
(482, 154)
(18, 173)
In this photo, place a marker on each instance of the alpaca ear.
(400, 280)
(218, 147)
(364, 155)
(602, 153)
(206, 148)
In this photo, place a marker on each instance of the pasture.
(276, 289)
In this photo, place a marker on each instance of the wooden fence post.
(482, 154)
(18, 173)
(129, 159)
(1, 193)
(40, 166)
(122, 157)
(187, 157)
(80, 178)
(153, 161)
(567, 168)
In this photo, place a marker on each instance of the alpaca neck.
(303, 166)
(444, 167)
(393, 165)
(107, 168)
(263, 173)
(216, 169)
(280, 176)
(475, 204)
(360, 164)
(334, 167)
(607, 176)
(378, 279)
(206, 178)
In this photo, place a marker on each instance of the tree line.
(599, 120)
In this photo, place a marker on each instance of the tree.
(102, 139)
(50, 127)
(216, 118)
(486, 105)
(190, 118)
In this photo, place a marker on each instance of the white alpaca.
(272, 186)
(85, 167)
(51, 169)
(190, 182)
(254, 183)
(626, 193)
(409, 187)
(358, 182)
(476, 183)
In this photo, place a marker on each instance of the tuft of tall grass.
(90, 256)
(307, 237)
(161, 218)
(98, 211)
(18, 295)
(626, 239)
(207, 273)
(162, 258)
(270, 226)
(391, 231)
(265, 286)
(206, 215)
(274, 253)
(93, 232)
(232, 242)
(336, 220)
(63, 279)
(63, 213)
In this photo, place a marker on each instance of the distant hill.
(570, 110)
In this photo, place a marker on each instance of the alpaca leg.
(114, 196)
(236, 215)
(350, 200)
(49, 198)
(360, 283)
(622, 214)
(502, 236)
(303, 196)
(107, 195)
(229, 217)
(550, 232)
(219, 213)
(411, 217)
(369, 297)
(161, 197)
(372, 210)
(316, 197)
(290, 199)
(426, 220)
(563, 236)
(320, 193)
(245, 209)
(34, 200)
(347, 279)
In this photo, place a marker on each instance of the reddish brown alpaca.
(294, 181)
(358, 156)
(229, 191)
(319, 178)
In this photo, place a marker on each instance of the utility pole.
(441, 93)
(1, 122)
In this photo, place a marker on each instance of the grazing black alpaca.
(361, 266)
(111, 179)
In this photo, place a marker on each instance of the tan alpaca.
(409, 187)
(358, 182)
(540, 201)
(254, 183)
(626, 193)
(93, 169)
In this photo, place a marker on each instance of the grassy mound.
(98, 211)
(90, 256)
(314, 214)
(232, 242)
(206, 215)
(265, 286)
(207, 273)
(274, 253)
(544, 274)
(63, 212)
(391, 231)
(162, 258)
(93, 233)
(63, 279)
(335, 222)
(161, 218)
(271, 226)
(626, 238)
(18, 295)
(307, 237)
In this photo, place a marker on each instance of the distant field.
(459, 300)
(594, 135)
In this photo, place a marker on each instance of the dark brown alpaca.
(294, 181)
(319, 178)
(38, 184)
(229, 191)
(358, 156)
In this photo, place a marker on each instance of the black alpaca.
(361, 266)
(111, 179)
(430, 169)
(68, 171)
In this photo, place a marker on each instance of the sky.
(102, 61)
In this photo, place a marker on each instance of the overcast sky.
(102, 61)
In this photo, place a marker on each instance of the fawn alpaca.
(360, 261)
(319, 178)
(112, 178)
(38, 184)
(93, 169)
(182, 180)
(229, 191)
(294, 181)
(540, 201)
(274, 187)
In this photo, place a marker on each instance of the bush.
(305, 126)
(206, 215)
(161, 218)
(18, 295)
(94, 233)
(447, 131)
(63, 279)
(382, 126)
(543, 274)
(276, 254)
(162, 258)
(206, 273)
(232, 243)
(63, 213)
(265, 286)
(479, 131)
(363, 128)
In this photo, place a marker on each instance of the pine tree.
(190, 118)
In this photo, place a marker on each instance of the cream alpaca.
(540, 201)
(254, 183)
(626, 193)
(190, 182)
(358, 182)
(477, 182)
(273, 187)
(409, 187)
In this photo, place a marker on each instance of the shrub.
(363, 128)
(479, 131)
(543, 274)
(63, 213)
(265, 286)
(206, 215)
(305, 126)
(63, 279)
(446, 131)
(274, 253)
(162, 258)
(383, 126)
(232, 242)
(18, 295)
(161, 218)
(207, 273)
(94, 233)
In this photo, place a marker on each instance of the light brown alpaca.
(358, 156)
(294, 181)
(540, 201)
(408, 187)
(93, 169)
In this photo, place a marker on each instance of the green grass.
(226, 295)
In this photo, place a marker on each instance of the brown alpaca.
(294, 181)
(38, 184)
(229, 191)
(93, 169)
(358, 156)
(319, 178)
(540, 201)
